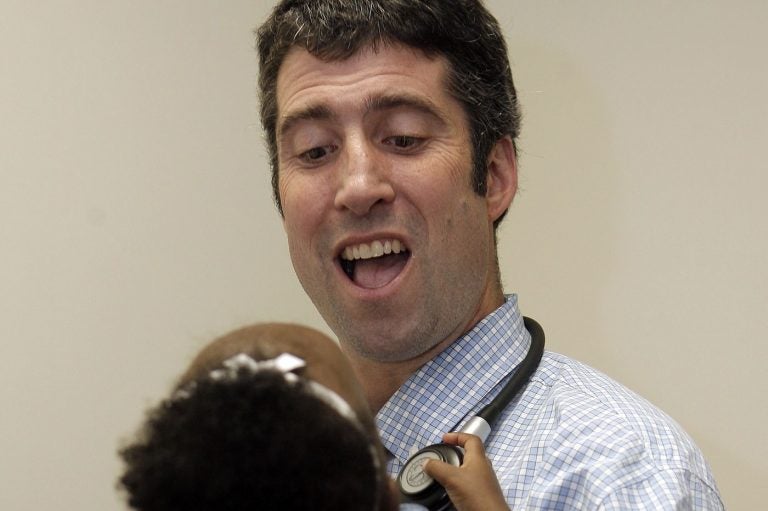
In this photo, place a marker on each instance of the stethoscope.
(415, 485)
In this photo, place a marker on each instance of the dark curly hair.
(254, 442)
(462, 31)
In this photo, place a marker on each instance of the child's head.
(267, 417)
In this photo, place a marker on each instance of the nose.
(364, 180)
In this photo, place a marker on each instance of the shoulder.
(581, 401)
(583, 432)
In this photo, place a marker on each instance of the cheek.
(460, 217)
(300, 230)
(448, 196)
(297, 220)
(303, 199)
(305, 210)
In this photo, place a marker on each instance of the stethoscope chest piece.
(416, 486)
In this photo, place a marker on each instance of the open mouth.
(376, 264)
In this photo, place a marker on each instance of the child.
(271, 417)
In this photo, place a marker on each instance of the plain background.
(137, 223)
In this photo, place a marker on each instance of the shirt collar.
(461, 379)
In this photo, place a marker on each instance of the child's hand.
(472, 486)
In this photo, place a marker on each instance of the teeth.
(376, 248)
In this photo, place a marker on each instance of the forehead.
(306, 82)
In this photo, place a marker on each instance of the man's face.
(385, 233)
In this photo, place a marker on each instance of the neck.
(380, 380)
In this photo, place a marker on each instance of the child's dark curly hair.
(254, 442)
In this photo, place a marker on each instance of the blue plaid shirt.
(573, 439)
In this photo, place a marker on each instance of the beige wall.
(136, 222)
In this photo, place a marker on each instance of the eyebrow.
(392, 101)
(372, 104)
(310, 113)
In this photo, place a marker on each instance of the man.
(271, 417)
(391, 126)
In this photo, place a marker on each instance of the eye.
(317, 154)
(403, 141)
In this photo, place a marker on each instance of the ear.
(501, 181)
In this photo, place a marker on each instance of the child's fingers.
(473, 450)
(440, 471)
(471, 444)
(473, 485)
(461, 439)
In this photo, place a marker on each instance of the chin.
(392, 347)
